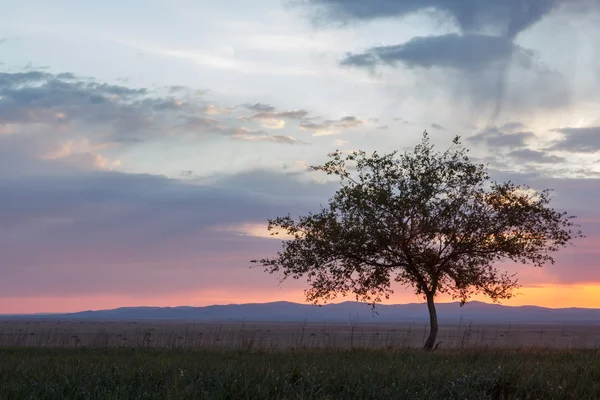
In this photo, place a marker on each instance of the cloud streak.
(332, 127)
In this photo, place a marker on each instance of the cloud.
(468, 53)
(195, 123)
(512, 126)
(332, 127)
(438, 126)
(272, 123)
(290, 114)
(271, 119)
(107, 232)
(266, 138)
(541, 157)
(504, 18)
(494, 137)
(260, 107)
(176, 88)
(478, 60)
(214, 110)
(39, 102)
(251, 135)
(64, 100)
(579, 140)
(114, 233)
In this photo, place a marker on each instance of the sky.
(144, 144)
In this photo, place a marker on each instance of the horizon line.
(295, 303)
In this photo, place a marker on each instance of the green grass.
(46, 373)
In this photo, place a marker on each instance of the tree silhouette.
(433, 221)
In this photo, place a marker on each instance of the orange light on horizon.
(551, 296)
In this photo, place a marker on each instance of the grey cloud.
(286, 139)
(382, 127)
(279, 185)
(199, 123)
(267, 138)
(251, 135)
(504, 18)
(346, 122)
(495, 137)
(129, 140)
(111, 232)
(468, 52)
(482, 63)
(583, 140)
(541, 157)
(36, 97)
(13, 80)
(438, 126)
(291, 114)
(176, 88)
(483, 49)
(121, 114)
(512, 126)
(260, 107)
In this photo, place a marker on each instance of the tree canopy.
(433, 221)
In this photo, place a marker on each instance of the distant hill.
(448, 313)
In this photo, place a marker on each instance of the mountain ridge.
(344, 312)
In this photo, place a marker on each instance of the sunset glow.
(145, 145)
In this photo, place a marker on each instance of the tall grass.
(127, 373)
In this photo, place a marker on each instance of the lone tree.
(430, 220)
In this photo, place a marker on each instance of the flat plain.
(70, 359)
(172, 334)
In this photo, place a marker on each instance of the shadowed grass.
(126, 373)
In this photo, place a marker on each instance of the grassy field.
(161, 360)
(129, 373)
(156, 334)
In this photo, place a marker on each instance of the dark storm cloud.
(469, 52)
(504, 18)
(494, 137)
(482, 50)
(579, 140)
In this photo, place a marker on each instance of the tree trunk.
(433, 323)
